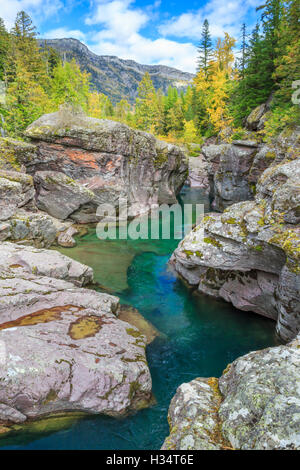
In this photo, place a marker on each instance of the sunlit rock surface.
(63, 347)
(255, 405)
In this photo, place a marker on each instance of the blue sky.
(150, 32)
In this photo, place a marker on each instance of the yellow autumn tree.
(214, 88)
(99, 105)
(191, 135)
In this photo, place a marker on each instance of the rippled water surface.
(200, 337)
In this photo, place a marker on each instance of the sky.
(148, 31)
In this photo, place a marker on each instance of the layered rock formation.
(101, 162)
(249, 255)
(255, 405)
(20, 219)
(62, 347)
(233, 169)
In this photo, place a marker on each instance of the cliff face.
(234, 169)
(249, 255)
(115, 77)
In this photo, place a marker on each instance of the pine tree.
(271, 18)
(205, 50)
(287, 61)
(51, 57)
(4, 47)
(25, 50)
(26, 77)
(244, 47)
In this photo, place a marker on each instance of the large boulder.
(255, 405)
(63, 198)
(109, 158)
(33, 228)
(193, 417)
(73, 353)
(20, 219)
(249, 255)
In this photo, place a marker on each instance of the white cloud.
(118, 19)
(223, 15)
(64, 33)
(120, 35)
(37, 9)
(116, 27)
(146, 51)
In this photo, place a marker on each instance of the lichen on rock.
(254, 405)
(250, 253)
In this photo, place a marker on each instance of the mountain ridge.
(115, 77)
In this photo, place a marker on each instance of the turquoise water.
(201, 336)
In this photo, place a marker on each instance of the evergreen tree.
(244, 47)
(25, 50)
(205, 50)
(287, 61)
(4, 47)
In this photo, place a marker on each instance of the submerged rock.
(73, 353)
(132, 315)
(109, 158)
(249, 255)
(255, 405)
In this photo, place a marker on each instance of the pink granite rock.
(62, 348)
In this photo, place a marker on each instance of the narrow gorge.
(86, 355)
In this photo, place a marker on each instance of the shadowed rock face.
(249, 255)
(234, 169)
(73, 353)
(198, 176)
(228, 168)
(106, 158)
(255, 405)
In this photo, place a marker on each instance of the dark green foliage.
(205, 49)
